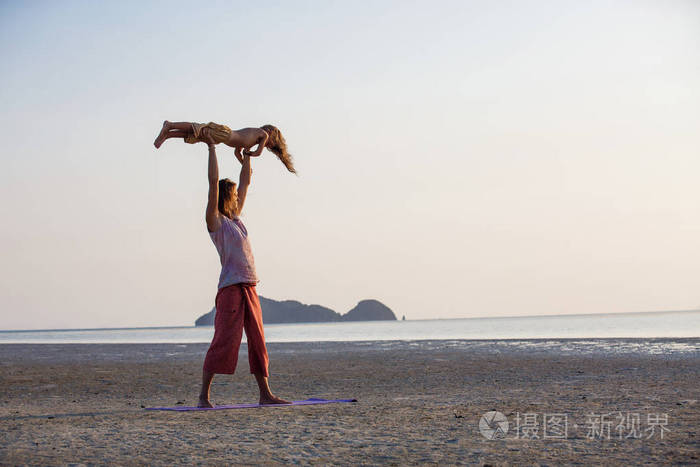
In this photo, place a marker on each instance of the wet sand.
(417, 404)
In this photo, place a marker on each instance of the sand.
(418, 403)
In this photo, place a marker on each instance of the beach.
(566, 402)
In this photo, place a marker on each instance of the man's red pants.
(237, 308)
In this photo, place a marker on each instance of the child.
(267, 136)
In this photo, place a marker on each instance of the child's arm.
(262, 141)
(238, 154)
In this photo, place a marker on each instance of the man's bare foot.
(161, 136)
(204, 404)
(271, 399)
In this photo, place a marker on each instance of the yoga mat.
(311, 401)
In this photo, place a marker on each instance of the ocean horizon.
(649, 324)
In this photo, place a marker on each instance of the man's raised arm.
(212, 214)
(243, 182)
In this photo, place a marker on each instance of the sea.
(646, 325)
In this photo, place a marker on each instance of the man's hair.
(226, 190)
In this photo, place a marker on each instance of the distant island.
(292, 311)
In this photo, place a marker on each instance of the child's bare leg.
(169, 131)
(177, 134)
(171, 134)
(180, 126)
(161, 136)
(173, 130)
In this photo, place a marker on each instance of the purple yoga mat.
(311, 401)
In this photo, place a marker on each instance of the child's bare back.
(246, 138)
(267, 136)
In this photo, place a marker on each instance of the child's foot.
(204, 403)
(161, 136)
(272, 400)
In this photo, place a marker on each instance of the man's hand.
(206, 137)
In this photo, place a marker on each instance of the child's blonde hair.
(278, 146)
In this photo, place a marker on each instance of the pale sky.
(456, 159)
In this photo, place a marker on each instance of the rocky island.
(292, 311)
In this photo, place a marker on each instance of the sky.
(455, 158)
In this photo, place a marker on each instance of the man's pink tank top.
(237, 264)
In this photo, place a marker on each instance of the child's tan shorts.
(220, 133)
